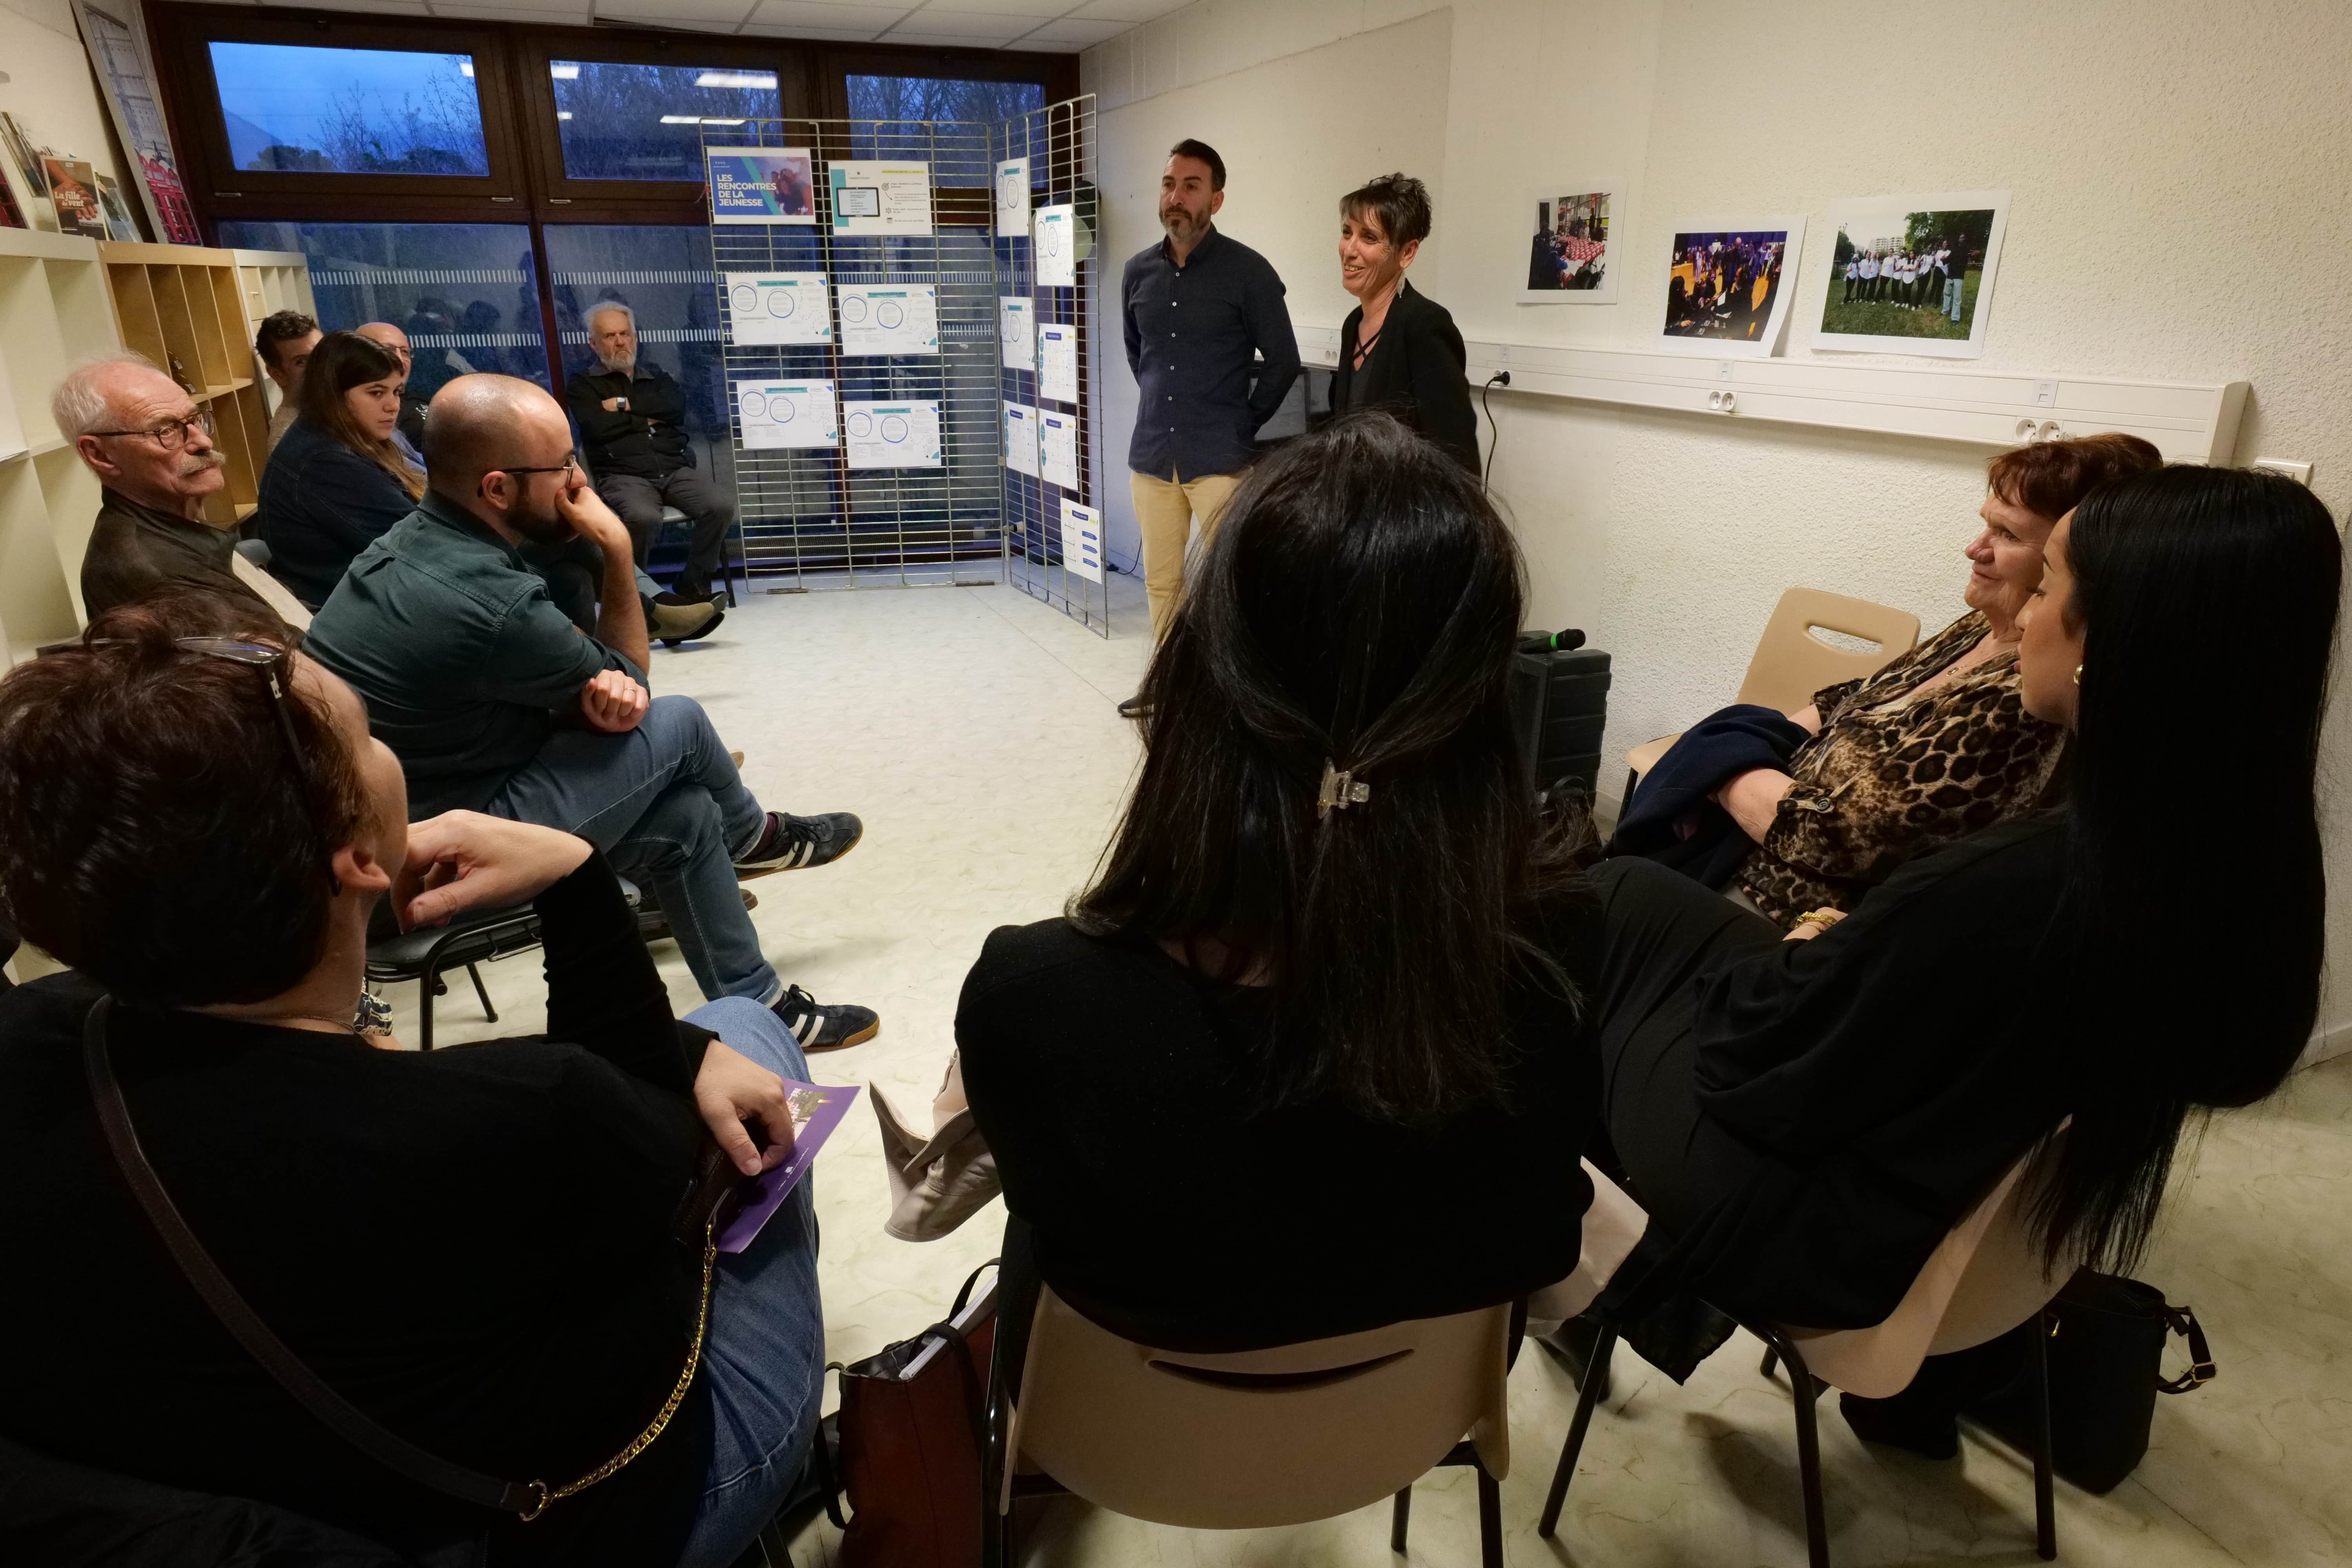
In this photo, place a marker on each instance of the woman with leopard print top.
(1937, 745)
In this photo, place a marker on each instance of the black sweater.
(474, 1246)
(321, 504)
(1415, 372)
(1111, 1084)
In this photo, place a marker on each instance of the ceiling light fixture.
(563, 114)
(736, 78)
(564, 71)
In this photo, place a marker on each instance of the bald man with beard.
(494, 700)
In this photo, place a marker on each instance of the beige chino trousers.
(1164, 509)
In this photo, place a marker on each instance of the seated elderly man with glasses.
(494, 701)
(151, 446)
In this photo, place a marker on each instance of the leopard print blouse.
(1889, 778)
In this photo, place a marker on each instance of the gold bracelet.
(1817, 917)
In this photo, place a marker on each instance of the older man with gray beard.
(631, 421)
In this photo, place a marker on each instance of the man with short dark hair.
(1199, 309)
(494, 701)
(283, 343)
(632, 417)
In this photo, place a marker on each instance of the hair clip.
(1340, 789)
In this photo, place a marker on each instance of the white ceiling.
(1054, 26)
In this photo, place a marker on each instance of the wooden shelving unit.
(63, 298)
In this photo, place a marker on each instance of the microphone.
(1550, 642)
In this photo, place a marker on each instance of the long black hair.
(1357, 610)
(2190, 990)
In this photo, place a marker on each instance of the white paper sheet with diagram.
(881, 197)
(1021, 438)
(889, 318)
(1012, 199)
(1082, 539)
(1057, 362)
(777, 414)
(1057, 448)
(1016, 321)
(893, 434)
(777, 308)
(1057, 246)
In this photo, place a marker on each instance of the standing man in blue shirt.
(1199, 310)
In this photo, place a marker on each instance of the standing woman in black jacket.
(1399, 349)
(336, 482)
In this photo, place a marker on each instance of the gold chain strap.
(644, 1439)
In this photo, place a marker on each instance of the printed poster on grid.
(1057, 449)
(874, 197)
(1057, 246)
(768, 308)
(889, 318)
(893, 434)
(761, 184)
(1021, 438)
(1057, 362)
(1012, 199)
(1082, 540)
(1016, 321)
(777, 415)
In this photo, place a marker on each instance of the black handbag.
(2106, 1354)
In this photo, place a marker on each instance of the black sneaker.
(795, 843)
(1134, 707)
(825, 1028)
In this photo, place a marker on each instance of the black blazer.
(1415, 372)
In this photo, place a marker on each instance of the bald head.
(387, 334)
(478, 424)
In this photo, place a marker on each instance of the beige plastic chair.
(1262, 1438)
(1983, 1280)
(1791, 663)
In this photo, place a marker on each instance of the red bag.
(912, 1419)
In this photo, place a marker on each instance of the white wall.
(51, 92)
(2181, 210)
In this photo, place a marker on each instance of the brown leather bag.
(912, 1416)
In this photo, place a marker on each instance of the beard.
(1180, 223)
(539, 523)
(624, 363)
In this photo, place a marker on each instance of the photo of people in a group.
(1570, 252)
(1724, 286)
(1906, 275)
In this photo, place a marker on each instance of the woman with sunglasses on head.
(336, 481)
(1804, 1115)
(481, 1249)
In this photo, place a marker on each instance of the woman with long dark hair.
(1805, 1119)
(337, 482)
(1306, 1055)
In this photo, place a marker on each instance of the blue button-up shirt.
(1191, 333)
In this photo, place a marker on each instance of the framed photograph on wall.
(1910, 274)
(1729, 282)
(1570, 257)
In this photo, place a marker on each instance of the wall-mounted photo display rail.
(2189, 421)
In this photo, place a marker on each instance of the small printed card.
(815, 1114)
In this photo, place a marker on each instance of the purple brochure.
(815, 1114)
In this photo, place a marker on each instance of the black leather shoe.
(1134, 707)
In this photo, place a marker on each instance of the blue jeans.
(665, 805)
(1953, 292)
(763, 1356)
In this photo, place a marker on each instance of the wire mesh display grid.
(1058, 141)
(812, 517)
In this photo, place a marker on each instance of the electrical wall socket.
(2299, 472)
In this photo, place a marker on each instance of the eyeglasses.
(569, 463)
(171, 434)
(257, 655)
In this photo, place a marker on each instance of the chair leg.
(1399, 1517)
(424, 1011)
(1771, 1357)
(1490, 1520)
(2045, 1502)
(483, 992)
(1806, 1389)
(1602, 1349)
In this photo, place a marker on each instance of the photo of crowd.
(1568, 254)
(1726, 286)
(1906, 275)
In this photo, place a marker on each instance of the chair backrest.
(1262, 1438)
(1984, 1278)
(1791, 663)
